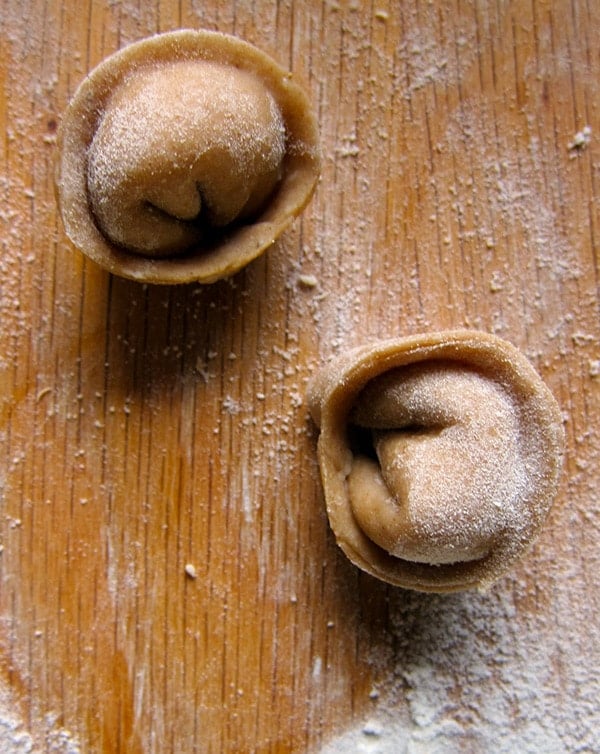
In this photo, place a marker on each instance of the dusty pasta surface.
(183, 157)
(440, 457)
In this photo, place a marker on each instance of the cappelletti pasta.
(440, 457)
(183, 157)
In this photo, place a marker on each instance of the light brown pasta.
(440, 457)
(183, 157)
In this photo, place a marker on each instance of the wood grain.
(144, 428)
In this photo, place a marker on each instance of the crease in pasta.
(184, 156)
(440, 457)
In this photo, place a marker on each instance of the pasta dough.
(184, 156)
(217, 156)
(440, 457)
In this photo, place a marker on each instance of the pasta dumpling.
(182, 157)
(440, 457)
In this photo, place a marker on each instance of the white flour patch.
(468, 673)
(15, 738)
(426, 62)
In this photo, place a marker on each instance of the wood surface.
(145, 429)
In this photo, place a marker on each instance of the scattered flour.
(466, 673)
(463, 678)
(15, 738)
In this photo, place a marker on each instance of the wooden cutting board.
(147, 429)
